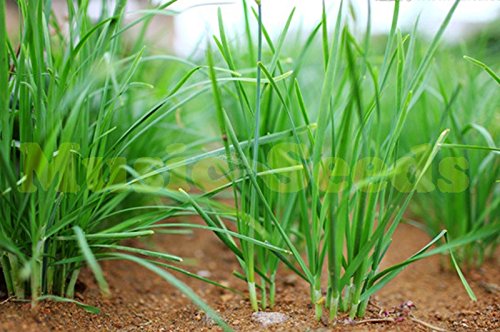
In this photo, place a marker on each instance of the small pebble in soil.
(207, 321)
(269, 318)
(226, 297)
(225, 283)
(348, 321)
(204, 273)
(290, 280)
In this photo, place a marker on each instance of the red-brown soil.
(141, 301)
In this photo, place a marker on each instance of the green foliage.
(336, 193)
(75, 114)
(305, 153)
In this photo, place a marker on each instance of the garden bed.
(142, 301)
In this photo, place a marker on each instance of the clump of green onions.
(330, 192)
(74, 113)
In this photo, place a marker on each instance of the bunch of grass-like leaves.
(464, 194)
(71, 113)
(328, 193)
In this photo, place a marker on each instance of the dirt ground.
(141, 301)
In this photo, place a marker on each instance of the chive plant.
(72, 111)
(331, 193)
(465, 198)
(261, 212)
(362, 217)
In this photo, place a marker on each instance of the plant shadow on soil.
(142, 301)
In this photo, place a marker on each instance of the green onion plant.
(331, 195)
(464, 198)
(75, 112)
